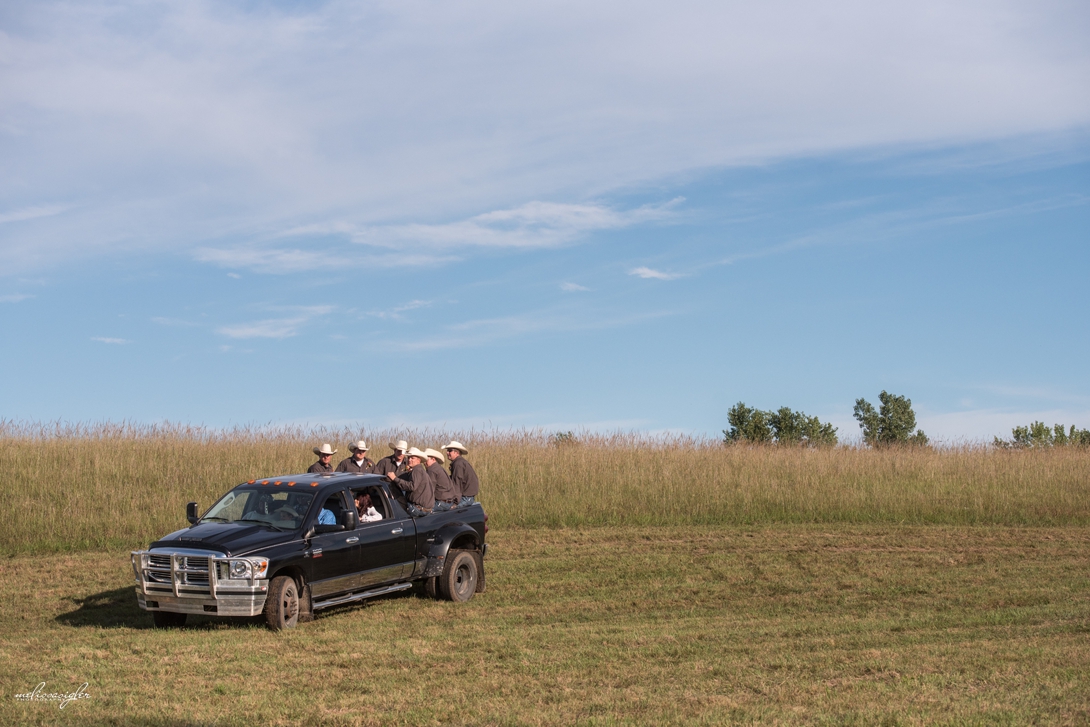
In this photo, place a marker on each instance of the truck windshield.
(279, 509)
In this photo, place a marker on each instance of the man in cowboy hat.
(462, 473)
(358, 463)
(446, 494)
(325, 456)
(396, 462)
(415, 483)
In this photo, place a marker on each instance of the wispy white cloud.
(236, 276)
(276, 328)
(207, 122)
(892, 224)
(103, 339)
(177, 322)
(651, 274)
(268, 328)
(478, 332)
(325, 256)
(532, 225)
(267, 260)
(14, 297)
(31, 213)
(396, 313)
(573, 287)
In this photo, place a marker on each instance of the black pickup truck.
(261, 549)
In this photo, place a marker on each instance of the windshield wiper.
(218, 519)
(259, 521)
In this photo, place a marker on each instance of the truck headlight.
(246, 568)
(241, 569)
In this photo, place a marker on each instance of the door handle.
(396, 531)
(353, 539)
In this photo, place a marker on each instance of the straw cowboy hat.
(429, 452)
(360, 446)
(400, 444)
(414, 452)
(324, 449)
(456, 445)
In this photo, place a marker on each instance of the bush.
(748, 425)
(892, 424)
(563, 439)
(1038, 435)
(782, 426)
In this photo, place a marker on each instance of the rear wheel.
(282, 604)
(168, 620)
(459, 579)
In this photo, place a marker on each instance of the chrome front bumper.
(194, 581)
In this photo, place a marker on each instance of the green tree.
(794, 427)
(892, 423)
(783, 426)
(748, 425)
(1038, 435)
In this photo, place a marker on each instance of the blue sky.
(565, 216)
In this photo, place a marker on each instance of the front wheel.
(459, 580)
(282, 604)
(167, 619)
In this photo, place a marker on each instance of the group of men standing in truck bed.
(419, 474)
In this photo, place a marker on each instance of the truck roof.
(314, 480)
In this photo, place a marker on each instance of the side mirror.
(191, 512)
(319, 529)
(350, 520)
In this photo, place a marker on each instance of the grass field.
(75, 488)
(781, 624)
(632, 580)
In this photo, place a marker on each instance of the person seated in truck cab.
(328, 516)
(367, 511)
(290, 513)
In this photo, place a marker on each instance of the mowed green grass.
(777, 624)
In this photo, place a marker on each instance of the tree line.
(893, 423)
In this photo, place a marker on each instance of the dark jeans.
(416, 510)
(441, 506)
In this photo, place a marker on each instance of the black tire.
(431, 587)
(168, 620)
(459, 580)
(282, 604)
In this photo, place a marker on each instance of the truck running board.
(318, 605)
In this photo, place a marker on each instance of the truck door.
(335, 557)
(388, 545)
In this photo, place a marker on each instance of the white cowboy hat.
(324, 449)
(429, 452)
(414, 452)
(360, 446)
(456, 445)
(400, 444)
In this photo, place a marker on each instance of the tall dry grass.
(71, 487)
